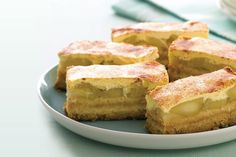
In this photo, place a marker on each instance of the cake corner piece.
(193, 104)
(111, 92)
(196, 56)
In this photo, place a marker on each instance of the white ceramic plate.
(127, 133)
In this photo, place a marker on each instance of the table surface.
(31, 34)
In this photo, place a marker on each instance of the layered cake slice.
(193, 104)
(195, 56)
(100, 52)
(104, 92)
(158, 34)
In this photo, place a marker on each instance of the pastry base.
(106, 110)
(204, 121)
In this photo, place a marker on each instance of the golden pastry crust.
(151, 71)
(189, 26)
(170, 95)
(107, 48)
(205, 46)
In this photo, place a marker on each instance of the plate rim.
(137, 135)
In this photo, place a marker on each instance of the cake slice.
(104, 92)
(193, 104)
(159, 34)
(100, 52)
(195, 56)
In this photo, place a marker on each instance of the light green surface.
(31, 32)
(208, 11)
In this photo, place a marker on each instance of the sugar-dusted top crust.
(108, 48)
(152, 71)
(203, 45)
(161, 27)
(171, 94)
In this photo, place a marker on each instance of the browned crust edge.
(217, 121)
(94, 117)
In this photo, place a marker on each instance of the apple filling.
(232, 94)
(188, 108)
(69, 60)
(194, 106)
(211, 104)
(201, 64)
(162, 44)
(86, 90)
